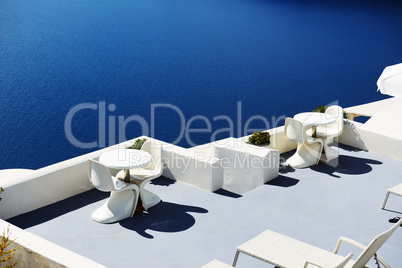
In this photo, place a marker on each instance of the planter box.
(244, 166)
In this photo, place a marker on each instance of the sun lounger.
(283, 251)
(396, 190)
(216, 264)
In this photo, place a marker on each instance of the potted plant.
(138, 144)
(260, 138)
(320, 109)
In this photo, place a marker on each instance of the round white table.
(125, 159)
(314, 119)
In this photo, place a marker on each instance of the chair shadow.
(227, 193)
(346, 164)
(162, 181)
(283, 168)
(283, 181)
(348, 148)
(57, 209)
(164, 217)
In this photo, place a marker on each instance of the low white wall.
(45, 186)
(279, 140)
(246, 166)
(372, 139)
(35, 251)
(186, 166)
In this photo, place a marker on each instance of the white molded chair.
(283, 251)
(123, 198)
(396, 190)
(331, 131)
(309, 149)
(141, 176)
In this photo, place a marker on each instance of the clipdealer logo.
(109, 122)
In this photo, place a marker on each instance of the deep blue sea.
(110, 70)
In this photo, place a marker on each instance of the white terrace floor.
(192, 227)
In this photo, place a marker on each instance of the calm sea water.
(162, 62)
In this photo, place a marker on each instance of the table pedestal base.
(126, 178)
(146, 199)
(140, 207)
(150, 200)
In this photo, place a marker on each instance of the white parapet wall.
(372, 139)
(30, 191)
(186, 166)
(279, 140)
(44, 186)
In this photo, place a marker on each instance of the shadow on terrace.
(344, 164)
(165, 217)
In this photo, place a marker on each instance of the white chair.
(309, 149)
(123, 198)
(396, 190)
(141, 176)
(284, 251)
(331, 131)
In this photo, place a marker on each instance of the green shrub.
(259, 138)
(138, 144)
(1, 190)
(320, 109)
